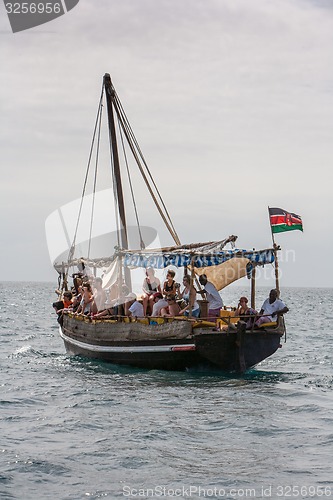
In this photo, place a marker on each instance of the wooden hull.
(237, 351)
(169, 346)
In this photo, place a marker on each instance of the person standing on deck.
(99, 296)
(215, 302)
(189, 295)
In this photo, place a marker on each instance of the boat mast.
(109, 95)
(253, 287)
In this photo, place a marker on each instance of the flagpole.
(275, 249)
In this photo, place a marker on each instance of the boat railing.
(226, 322)
(152, 320)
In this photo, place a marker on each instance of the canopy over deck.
(221, 266)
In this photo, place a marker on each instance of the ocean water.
(74, 428)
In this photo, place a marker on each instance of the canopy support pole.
(191, 285)
(276, 264)
(253, 287)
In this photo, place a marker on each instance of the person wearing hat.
(159, 303)
(244, 311)
(133, 307)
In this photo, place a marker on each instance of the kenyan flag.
(284, 221)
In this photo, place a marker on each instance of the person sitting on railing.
(86, 301)
(63, 305)
(67, 299)
(244, 311)
(172, 308)
(77, 299)
(189, 295)
(170, 286)
(151, 285)
(271, 308)
(115, 306)
(133, 308)
(159, 303)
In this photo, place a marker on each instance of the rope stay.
(126, 131)
(142, 243)
(72, 248)
(137, 153)
(95, 180)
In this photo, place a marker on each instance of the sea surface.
(74, 428)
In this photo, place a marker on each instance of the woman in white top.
(189, 295)
(151, 285)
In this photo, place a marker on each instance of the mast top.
(108, 84)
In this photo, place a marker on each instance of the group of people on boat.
(90, 299)
(172, 301)
(270, 310)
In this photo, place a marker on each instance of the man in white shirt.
(133, 307)
(271, 308)
(159, 303)
(215, 302)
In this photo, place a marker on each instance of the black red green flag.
(281, 220)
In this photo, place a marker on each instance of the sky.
(231, 101)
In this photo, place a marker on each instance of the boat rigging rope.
(115, 195)
(142, 243)
(95, 180)
(124, 127)
(72, 249)
(136, 151)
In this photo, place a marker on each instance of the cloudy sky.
(232, 103)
